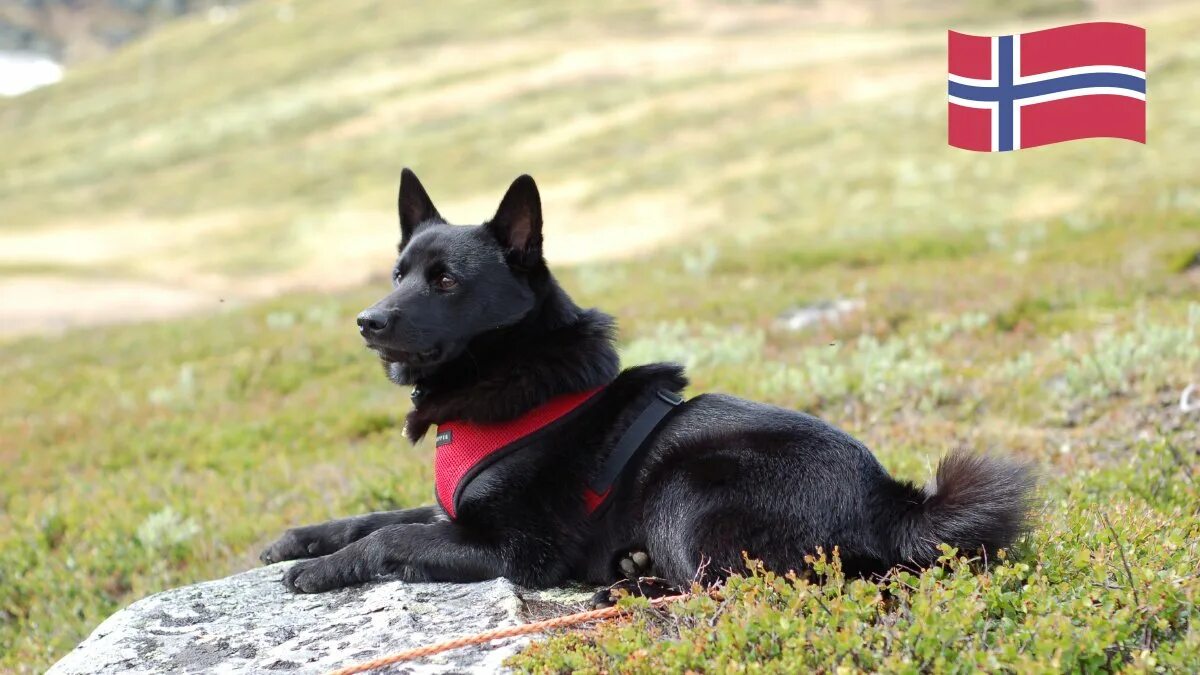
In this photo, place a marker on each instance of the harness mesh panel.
(471, 443)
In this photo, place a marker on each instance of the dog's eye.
(445, 282)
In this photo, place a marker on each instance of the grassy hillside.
(1042, 303)
(245, 158)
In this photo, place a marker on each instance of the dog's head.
(453, 283)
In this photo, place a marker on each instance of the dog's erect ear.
(414, 204)
(517, 224)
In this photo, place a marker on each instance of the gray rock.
(248, 623)
(824, 312)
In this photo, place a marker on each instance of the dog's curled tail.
(974, 501)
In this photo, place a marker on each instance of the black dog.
(571, 463)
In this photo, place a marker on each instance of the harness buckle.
(670, 397)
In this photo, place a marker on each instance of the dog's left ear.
(517, 224)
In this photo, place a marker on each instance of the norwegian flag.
(1010, 92)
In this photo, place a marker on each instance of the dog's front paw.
(296, 543)
(316, 576)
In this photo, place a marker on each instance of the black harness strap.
(629, 443)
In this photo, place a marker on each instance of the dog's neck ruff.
(464, 449)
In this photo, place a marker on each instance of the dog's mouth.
(410, 358)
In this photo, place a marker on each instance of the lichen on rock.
(248, 623)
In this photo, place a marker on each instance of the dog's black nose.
(372, 321)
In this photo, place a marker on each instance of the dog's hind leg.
(325, 538)
(702, 533)
(644, 587)
(682, 549)
(635, 564)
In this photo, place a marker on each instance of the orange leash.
(496, 634)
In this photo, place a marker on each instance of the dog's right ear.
(414, 205)
(517, 225)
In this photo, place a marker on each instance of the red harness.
(464, 448)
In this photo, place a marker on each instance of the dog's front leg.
(440, 551)
(322, 539)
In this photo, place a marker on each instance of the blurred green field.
(707, 168)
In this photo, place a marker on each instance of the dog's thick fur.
(479, 327)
